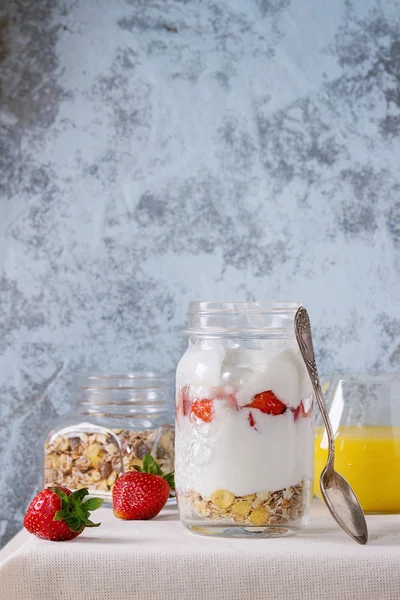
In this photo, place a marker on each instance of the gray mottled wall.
(154, 152)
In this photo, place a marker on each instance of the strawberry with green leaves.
(142, 493)
(57, 514)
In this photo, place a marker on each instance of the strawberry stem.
(74, 512)
(152, 467)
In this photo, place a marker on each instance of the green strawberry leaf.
(62, 495)
(78, 495)
(73, 522)
(170, 479)
(92, 504)
(91, 524)
(151, 466)
(59, 493)
(147, 461)
(75, 513)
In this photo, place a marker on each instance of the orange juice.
(369, 458)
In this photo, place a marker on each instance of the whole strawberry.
(57, 514)
(142, 493)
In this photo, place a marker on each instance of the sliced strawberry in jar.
(300, 411)
(186, 402)
(232, 402)
(225, 394)
(268, 403)
(308, 406)
(251, 420)
(203, 409)
(183, 402)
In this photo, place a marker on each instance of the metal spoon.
(337, 493)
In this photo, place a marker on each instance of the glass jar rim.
(235, 319)
(242, 306)
(133, 380)
(367, 377)
(136, 392)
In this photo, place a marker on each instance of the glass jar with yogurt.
(244, 434)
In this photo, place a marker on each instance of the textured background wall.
(154, 152)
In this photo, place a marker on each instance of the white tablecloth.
(160, 560)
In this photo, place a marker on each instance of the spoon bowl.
(341, 500)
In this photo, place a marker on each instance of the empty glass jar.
(244, 425)
(117, 420)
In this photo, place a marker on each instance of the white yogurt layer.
(200, 367)
(249, 371)
(230, 454)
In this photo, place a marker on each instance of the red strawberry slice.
(183, 401)
(203, 409)
(232, 402)
(251, 420)
(268, 403)
(185, 391)
(300, 411)
(225, 393)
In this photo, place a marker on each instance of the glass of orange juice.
(364, 410)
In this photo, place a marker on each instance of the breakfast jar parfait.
(244, 421)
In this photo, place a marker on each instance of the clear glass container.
(364, 409)
(244, 424)
(116, 421)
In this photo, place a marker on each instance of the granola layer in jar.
(118, 419)
(253, 510)
(244, 426)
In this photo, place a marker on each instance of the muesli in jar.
(117, 419)
(83, 459)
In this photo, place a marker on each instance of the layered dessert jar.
(244, 436)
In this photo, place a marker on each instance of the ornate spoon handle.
(304, 339)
